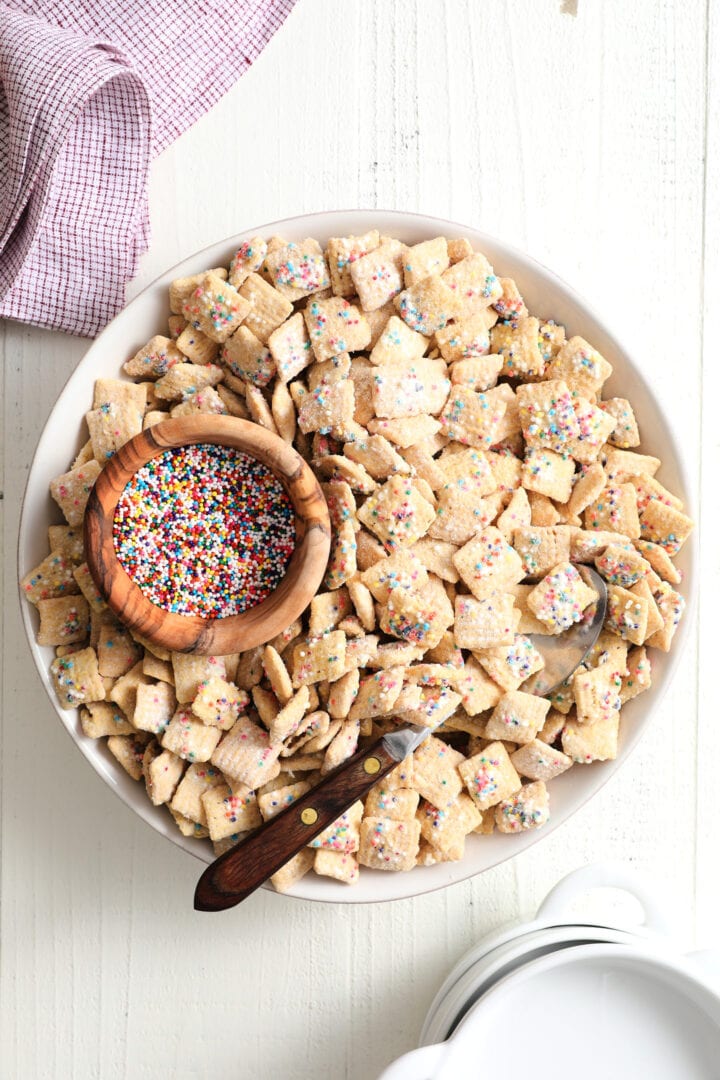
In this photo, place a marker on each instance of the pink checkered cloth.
(89, 93)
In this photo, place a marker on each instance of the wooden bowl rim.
(195, 633)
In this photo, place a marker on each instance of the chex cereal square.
(671, 606)
(627, 614)
(489, 776)
(248, 358)
(488, 563)
(517, 717)
(71, 491)
(129, 751)
(538, 761)
(477, 372)
(378, 276)
(76, 679)
(581, 366)
(597, 693)
(595, 428)
(267, 307)
(335, 326)
(419, 617)
(410, 388)
(53, 577)
(471, 417)
(542, 548)
(155, 707)
(189, 738)
(588, 742)
(528, 808)
(548, 415)
(341, 865)
(510, 304)
(342, 252)
(481, 624)
(377, 694)
(218, 702)
(548, 473)
(248, 259)
(445, 829)
(181, 288)
(298, 269)
(397, 513)
(196, 782)
(289, 346)
(638, 677)
(246, 754)
(560, 599)
(665, 526)
(510, 665)
(622, 564)
(327, 407)
(426, 259)
(398, 342)
(215, 308)
(465, 339)
(388, 845)
(428, 305)
(154, 359)
(473, 282)
(227, 813)
(625, 434)
(184, 380)
(271, 803)
(399, 804)
(162, 775)
(319, 658)
(518, 344)
(197, 347)
(343, 834)
(435, 772)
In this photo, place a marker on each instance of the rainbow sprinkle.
(205, 530)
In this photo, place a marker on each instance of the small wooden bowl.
(193, 633)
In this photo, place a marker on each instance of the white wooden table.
(594, 143)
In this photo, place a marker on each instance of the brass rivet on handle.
(309, 816)
(371, 766)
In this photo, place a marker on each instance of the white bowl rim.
(426, 879)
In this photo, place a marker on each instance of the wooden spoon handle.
(240, 871)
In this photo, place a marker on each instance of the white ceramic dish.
(595, 1000)
(147, 314)
(621, 1011)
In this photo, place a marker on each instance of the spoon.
(242, 869)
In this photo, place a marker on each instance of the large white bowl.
(545, 295)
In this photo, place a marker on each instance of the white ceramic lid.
(595, 1011)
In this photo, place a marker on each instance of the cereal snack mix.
(472, 460)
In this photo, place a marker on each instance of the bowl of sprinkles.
(207, 534)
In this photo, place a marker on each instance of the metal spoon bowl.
(564, 653)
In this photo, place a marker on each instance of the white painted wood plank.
(707, 868)
(580, 139)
